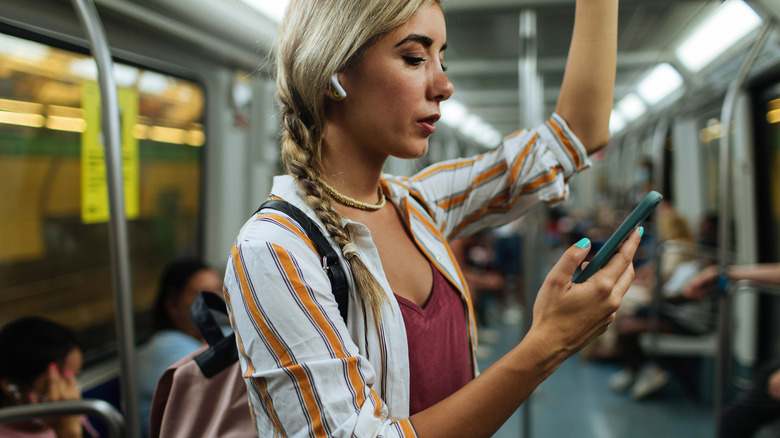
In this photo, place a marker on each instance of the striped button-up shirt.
(310, 373)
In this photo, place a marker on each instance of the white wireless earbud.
(339, 90)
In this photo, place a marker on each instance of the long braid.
(313, 44)
(301, 161)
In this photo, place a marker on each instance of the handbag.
(204, 393)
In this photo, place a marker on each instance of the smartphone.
(640, 213)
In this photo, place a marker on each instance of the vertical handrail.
(724, 186)
(112, 419)
(531, 104)
(117, 225)
(659, 141)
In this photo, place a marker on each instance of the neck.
(349, 169)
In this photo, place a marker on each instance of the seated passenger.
(39, 361)
(175, 334)
(761, 405)
(677, 314)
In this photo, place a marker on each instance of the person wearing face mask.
(39, 361)
(359, 81)
(175, 333)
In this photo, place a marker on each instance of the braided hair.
(314, 43)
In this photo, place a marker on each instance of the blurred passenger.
(175, 334)
(761, 405)
(39, 361)
(643, 377)
(477, 258)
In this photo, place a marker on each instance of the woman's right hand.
(569, 315)
(62, 386)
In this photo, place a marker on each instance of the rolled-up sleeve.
(305, 375)
(465, 195)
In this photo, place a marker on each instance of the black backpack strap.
(222, 350)
(330, 260)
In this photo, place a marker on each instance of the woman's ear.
(336, 91)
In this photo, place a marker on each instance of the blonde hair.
(316, 40)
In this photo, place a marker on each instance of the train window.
(54, 248)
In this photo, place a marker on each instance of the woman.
(175, 333)
(39, 361)
(403, 362)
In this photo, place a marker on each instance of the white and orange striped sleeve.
(466, 195)
(305, 376)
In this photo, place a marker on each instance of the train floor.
(576, 402)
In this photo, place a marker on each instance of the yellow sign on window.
(94, 188)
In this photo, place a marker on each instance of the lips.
(427, 123)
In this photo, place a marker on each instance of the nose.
(442, 87)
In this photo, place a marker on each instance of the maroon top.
(439, 351)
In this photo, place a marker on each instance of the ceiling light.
(273, 9)
(727, 25)
(631, 107)
(662, 81)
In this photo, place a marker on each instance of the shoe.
(649, 381)
(622, 380)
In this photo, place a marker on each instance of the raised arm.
(586, 95)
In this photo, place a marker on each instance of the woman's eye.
(444, 67)
(413, 60)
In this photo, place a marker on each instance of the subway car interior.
(193, 144)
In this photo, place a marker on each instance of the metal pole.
(531, 102)
(99, 408)
(659, 143)
(724, 190)
(117, 225)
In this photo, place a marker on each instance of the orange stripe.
(560, 198)
(406, 428)
(518, 164)
(354, 378)
(291, 226)
(491, 206)
(311, 307)
(264, 393)
(308, 398)
(484, 176)
(444, 166)
(254, 311)
(378, 404)
(566, 143)
(514, 134)
(542, 180)
(250, 367)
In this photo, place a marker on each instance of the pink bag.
(203, 394)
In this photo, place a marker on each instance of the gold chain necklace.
(354, 203)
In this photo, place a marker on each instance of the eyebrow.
(422, 39)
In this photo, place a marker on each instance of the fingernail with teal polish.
(584, 242)
(641, 231)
